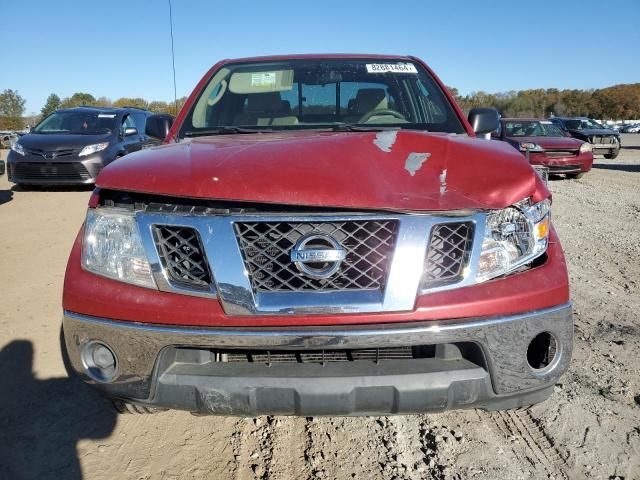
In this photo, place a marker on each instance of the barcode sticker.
(391, 68)
(264, 79)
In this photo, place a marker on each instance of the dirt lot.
(590, 428)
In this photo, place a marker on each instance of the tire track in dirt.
(429, 449)
(538, 448)
(343, 448)
(289, 445)
(403, 448)
(252, 442)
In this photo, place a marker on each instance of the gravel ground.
(589, 428)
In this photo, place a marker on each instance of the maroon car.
(547, 145)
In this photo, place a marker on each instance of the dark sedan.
(604, 141)
(547, 145)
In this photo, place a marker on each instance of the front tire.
(575, 176)
(611, 156)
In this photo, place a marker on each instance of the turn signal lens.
(541, 229)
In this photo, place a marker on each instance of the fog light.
(542, 351)
(99, 361)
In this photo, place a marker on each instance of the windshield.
(582, 124)
(532, 129)
(300, 94)
(88, 123)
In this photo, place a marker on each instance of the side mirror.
(484, 120)
(130, 131)
(158, 125)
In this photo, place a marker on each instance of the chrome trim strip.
(360, 335)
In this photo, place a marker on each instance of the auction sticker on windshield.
(263, 79)
(391, 67)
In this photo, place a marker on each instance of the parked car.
(634, 128)
(545, 144)
(6, 138)
(71, 146)
(603, 140)
(319, 234)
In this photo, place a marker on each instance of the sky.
(122, 48)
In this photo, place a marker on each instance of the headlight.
(513, 237)
(19, 149)
(532, 147)
(586, 147)
(89, 149)
(113, 247)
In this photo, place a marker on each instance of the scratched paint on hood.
(384, 140)
(414, 162)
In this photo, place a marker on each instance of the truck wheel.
(611, 156)
(575, 175)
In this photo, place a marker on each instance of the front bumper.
(72, 170)
(174, 367)
(580, 163)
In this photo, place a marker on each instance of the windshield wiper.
(350, 127)
(227, 130)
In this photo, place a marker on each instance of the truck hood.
(390, 170)
(594, 131)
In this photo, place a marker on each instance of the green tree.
(12, 109)
(131, 102)
(52, 104)
(78, 99)
(160, 107)
(103, 102)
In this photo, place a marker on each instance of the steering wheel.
(380, 113)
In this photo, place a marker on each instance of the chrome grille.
(180, 250)
(266, 250)
(560, 153)
(602, 139)
(447, 254)
(52, 154)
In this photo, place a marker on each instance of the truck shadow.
(41, 421)
(621, 167)
(6, 196)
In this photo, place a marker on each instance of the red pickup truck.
(319, 234)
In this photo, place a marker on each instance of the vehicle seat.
(367, 100)
(266, 109)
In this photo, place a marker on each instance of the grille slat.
(448, 253)
(56, 153)
(51, 171)
(266, 249)
(325, 356)
(183, 256)
(561, 153)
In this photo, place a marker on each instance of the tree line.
(12, 106)
(619, 102)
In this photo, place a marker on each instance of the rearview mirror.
(158, 125)
(484, 120)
